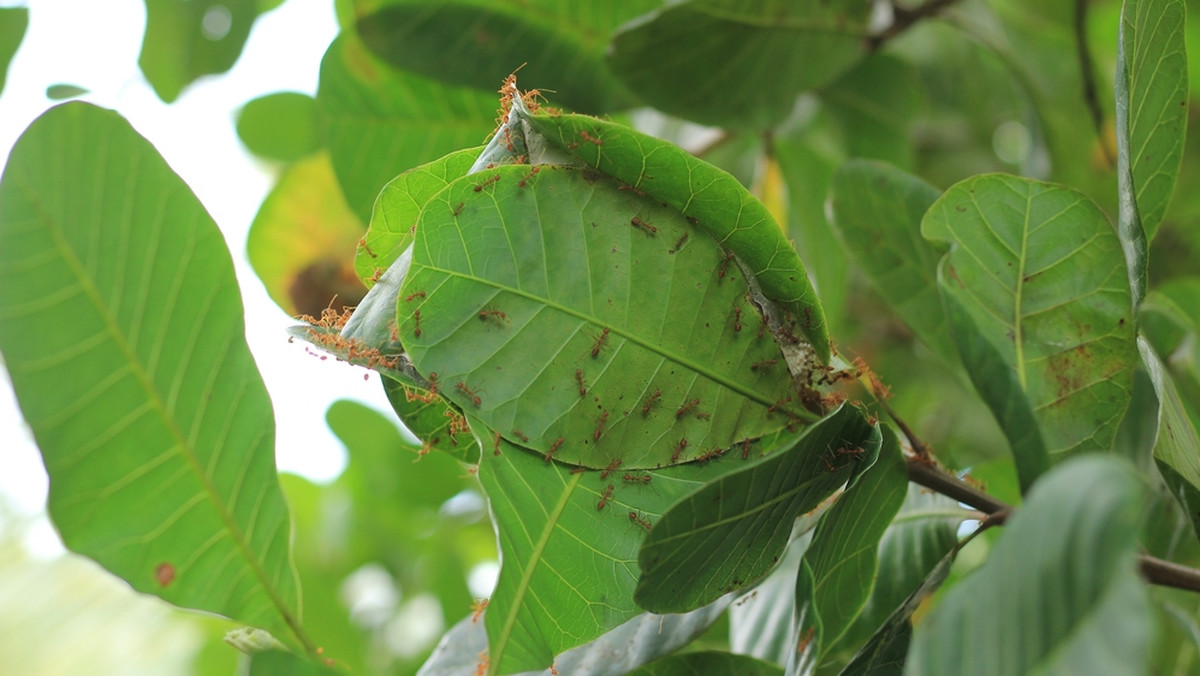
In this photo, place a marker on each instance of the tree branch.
(922, 472)
(1088, 75)
(903, 19)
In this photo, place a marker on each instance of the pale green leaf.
(186, 40)
(280, 126)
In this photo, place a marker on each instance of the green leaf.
(1152, 97)
(430, 420)
(874, 104)
(273, 662)
(1177, 448)
(733, 531)
(280, 126)
(840, 564)
(877, 211)
(59, 92)
(709, 197)
(1170, 319)
(122, 330)
(13, 22)
(544, 310)
(394, 217)
(760, 622)
(1035, 290)
(708, 662)
(302, 238)
(568, 543)
(728, 63)
(1060, 586)
(378, 121)
(477, 43)
(185, 40)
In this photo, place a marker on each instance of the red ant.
(477, 609)
(711, 454)
(724, 268)
(600, 343)
(497, 443)
(679, 244)
(604, 498)
(582, 385)
(600, 426)
(462, 387)
(745, 449)
(481, 186)
(363, 243)
(682, 444)
(553, 449)
(643, 226)
(633, 516)
(612, 467)
(412, 296)
(686, 407)
(532, 172)
(416, 323)
(589, 138)
(458, 209)
(520, 435)
(737, 319)
(650, 402)
(486, 314)
(637, 478)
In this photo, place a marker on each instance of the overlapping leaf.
(1036, 293)
(874, 104)
(737, 64)
(1170, 319)
(476, 43)
(588, 322)
(709, 197)
(186, 40)
(121, 327)
(13, 21)
(733, 531)
(1177, 447)
(569, 543)
(877, 213)
(1152, 95)
(280, 126)
(708, 662)
(379, 121)
(1060, 586)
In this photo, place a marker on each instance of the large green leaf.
(379, 121)
(13, 22)
(1035, 288)
(732, 63)
(761, 621)
(838, 570)
(1169, 318)
(1152, 96)
(733, 531)
(280, 126)
(185, 40)
(568, 542)
(122, 329)
(546, 311)
(476, 43)
(877, 211)
(709, 197)
(1060, 586)
(708, 662)
(1177, 448)
(874, 105)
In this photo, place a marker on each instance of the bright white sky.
(95, 45)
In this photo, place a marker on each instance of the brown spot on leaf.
(164, 573)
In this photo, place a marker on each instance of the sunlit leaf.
(302, 240)
(736, 64)
(1036, 293)
(13, 22)
(1060, 586)
(272, 662)
(122, 330)
(378, 121)
(280, 126)
(185, 40)
(59, 92)
(733, 531)
(1152, 97)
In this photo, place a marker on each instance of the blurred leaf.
(709, 197)
(122, 329)
(877, 211)
(394, 217)
(547, 313)
(1177, 449)
(569, 543)
(839, 568)
(378, 121)
(1060, 586)
(13, 22)
(760, 622)
(302, 239)
(1170, 319)
(280, 126)
(733, 531)
(708, 662)
(1035, 290)
(728, 63)
(476, 43)
(631, 644)
(59, 92)
(1152, 95)
(185, 40)
(874, 104)
(275, 662)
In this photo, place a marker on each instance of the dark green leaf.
(477, 43)
(736, 64)
(760, 622)
(545, 311)
(378, 121)
(708, 197)
(1177, 448)
(185, 40)
(877, 211)
(733, 531)
(1035, 289)
(122, 329)
(708, 662)
(874, 104)
(841, 562)
(1060, 586)
(275, 662)
(1170, 319)
(280, 126)
(13, 22)
(58, 92)
(1152, 95)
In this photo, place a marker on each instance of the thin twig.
(919, 447)
(903, 19)
(1087, 74)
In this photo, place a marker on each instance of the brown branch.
(903, 19)
(1087, 74)
(922, 472)
(919, 447)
